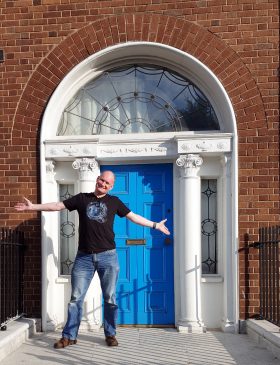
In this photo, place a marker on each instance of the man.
(96, 252)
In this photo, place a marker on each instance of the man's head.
(104, 183)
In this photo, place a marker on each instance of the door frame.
(135, 148)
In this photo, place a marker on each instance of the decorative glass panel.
(67, 232)
(209, 226)
(138, 99)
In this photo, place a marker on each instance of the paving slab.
(139, 346)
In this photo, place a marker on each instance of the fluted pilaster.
(50, 171)
(228, 302)
(50, 253)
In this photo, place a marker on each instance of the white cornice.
(135, 138)
(140, 145)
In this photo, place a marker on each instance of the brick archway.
(184, 35)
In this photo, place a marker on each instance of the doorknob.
(167, 241)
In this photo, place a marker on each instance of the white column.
(228, 293)
(49, 254)
(92, 317)
(190, 243)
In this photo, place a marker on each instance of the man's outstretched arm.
(138, 219)
(46, 207)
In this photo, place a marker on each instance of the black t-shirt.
(96, 219)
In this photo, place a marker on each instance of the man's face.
(104, 183)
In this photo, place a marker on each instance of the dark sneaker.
(64, 342)
(111, 341)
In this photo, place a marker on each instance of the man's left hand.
(161, 227)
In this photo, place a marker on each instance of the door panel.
(145, 288)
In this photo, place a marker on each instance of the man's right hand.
(26, 205)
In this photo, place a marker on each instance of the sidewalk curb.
(266, 334)
(15, 335)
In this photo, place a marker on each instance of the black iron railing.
(11, 275)
(269, 251)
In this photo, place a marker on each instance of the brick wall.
(237, 39)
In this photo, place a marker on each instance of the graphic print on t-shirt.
(97, 211)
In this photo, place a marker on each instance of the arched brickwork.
(181, 34)
(254, 149)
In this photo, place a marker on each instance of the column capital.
(226, 159)
(86, 167)
(226, 162)
(50, 166)
(189, 164)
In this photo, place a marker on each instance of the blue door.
(145, 291)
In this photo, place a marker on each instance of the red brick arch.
(169, 30)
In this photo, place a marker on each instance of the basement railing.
(11, 275)
(269, 276)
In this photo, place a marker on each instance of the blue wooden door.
(145, 291)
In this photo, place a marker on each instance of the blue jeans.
(107, 266)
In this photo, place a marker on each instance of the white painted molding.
(143, 145)
(61, 150)
(207, 143)
(63, 280)
(87, 168)
(212, 279)
(50, 171)
(189, 165)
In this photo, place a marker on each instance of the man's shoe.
(111, 341)
(64, 342)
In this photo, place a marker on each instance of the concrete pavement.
(139, 346)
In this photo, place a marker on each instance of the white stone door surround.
(194, 155)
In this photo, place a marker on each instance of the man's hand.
(46, 207)
(138, 219)
(26, 205)
(161, 227)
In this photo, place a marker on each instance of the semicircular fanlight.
(137, 99)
